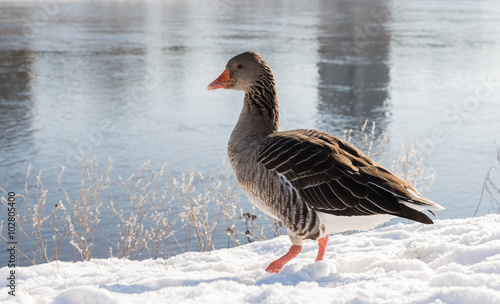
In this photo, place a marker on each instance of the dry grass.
(491, 186)
(147, 215)
(153, 215)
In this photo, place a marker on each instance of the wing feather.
(332, 176)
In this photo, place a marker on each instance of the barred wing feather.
(334, 177)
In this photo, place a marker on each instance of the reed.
(491, 186)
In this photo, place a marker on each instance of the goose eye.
(239, 66)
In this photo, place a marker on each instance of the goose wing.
(332, 176)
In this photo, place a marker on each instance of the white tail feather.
(421, 203)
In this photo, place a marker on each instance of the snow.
(452, 261)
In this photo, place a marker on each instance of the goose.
(314, 183)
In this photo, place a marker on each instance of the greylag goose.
(314, 183)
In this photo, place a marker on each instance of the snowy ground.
(453, 261)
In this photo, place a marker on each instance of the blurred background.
(127, 80)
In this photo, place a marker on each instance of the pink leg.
(322, 248)
(276, 266)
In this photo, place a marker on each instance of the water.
(128, 80)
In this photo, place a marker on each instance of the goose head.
(243, 73)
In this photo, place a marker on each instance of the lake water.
(127, 79)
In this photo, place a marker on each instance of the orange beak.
(223, 81)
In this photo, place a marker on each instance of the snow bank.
(453, 261)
